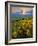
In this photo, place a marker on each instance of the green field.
(22, 28)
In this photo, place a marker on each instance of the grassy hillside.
(22, 28)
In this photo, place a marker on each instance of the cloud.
(20, 9)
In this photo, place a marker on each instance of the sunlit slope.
(22, 28)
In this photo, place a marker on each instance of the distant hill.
(18, 15)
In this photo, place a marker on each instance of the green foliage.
(22, 28)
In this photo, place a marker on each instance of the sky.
(23, 10)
